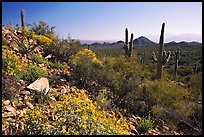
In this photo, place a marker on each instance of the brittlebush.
(73, 113)
(11, 63)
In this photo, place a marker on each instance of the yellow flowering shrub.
(11, 63)
(73, 114)
(86, 55)
(25, 31)
(44, 40)
(86, 65)
(32, 35)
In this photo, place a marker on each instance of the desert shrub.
(86, 65)
(73, 114)
(56, 64)
(103, 101)
(32, 72)
(9, 87)
(63, 50)
(125, 77)
(167, 101)
(12, 64)
(39, 59)
(146, 124)
(43, 40)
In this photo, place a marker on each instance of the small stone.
(11, 109)
(165, 128)
(25, 92)
(25, 97)
(41, 65)
(63, 89)
(29, 105)
(7, 114)
(135, 132)
(63, 80)
(6, 103)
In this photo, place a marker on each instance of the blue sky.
(108, 20)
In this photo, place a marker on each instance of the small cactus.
(128, 46)
(163, 57)
(177, 56)
(22, 18)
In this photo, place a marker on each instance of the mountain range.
(143, 41)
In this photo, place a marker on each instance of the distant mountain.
(142, 41)
(183, 43)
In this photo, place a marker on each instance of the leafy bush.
(73, 114)
(56, 64)
(166, 100)
(63, 50)
(146, 124)
(33, 72)
(124, 77)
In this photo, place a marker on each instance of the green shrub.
(63, 50)
(146, 124)
(37, 58)
(33, 72)
(124, 77)
(166, 100)
(56, 64)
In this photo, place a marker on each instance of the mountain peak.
(143, 41)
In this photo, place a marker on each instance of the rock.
(41, 65)
(135, 132)
(11, 109)
(63, 80)
(6, 103)
(21, 83)
(63, 90)
(40, 85)
(7, 114)
(25, 92)
(29, 105)
(25, 97)
(165, 128)
(153, 132)
(48, 56)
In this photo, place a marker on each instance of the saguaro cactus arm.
(154, 58)
(130, 46)
(166, 57)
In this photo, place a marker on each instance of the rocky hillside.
(58, 87)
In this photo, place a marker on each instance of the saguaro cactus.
(128, 46)
(22, 18)
(162, 57)
(177, 56)
(195, 68)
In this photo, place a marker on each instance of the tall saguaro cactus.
(177, 56)
(22, 18)
(162, 57)
(128, 46)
